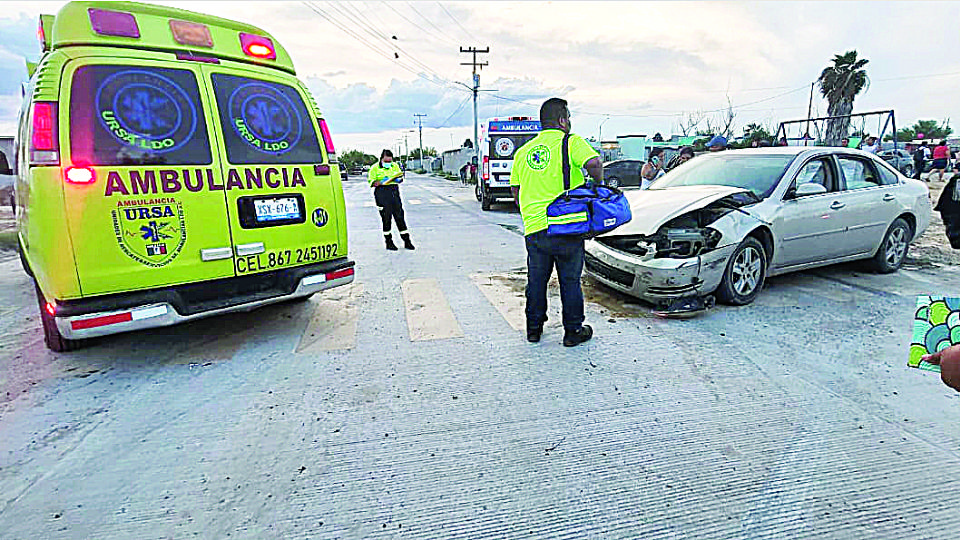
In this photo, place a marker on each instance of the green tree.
(931, 129)
(755, 132)
(840, 84)
(355, 158)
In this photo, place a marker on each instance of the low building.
(455, 160)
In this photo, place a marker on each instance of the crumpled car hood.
(652, 208)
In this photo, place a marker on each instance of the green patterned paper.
(936, 326)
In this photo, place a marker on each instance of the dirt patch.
(612, 303)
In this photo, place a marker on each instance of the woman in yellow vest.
(385, 178)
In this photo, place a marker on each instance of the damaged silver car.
(723, 222)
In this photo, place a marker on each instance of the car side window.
(817, 171)
(858, 174)
(887, 176)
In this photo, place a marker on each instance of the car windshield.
(758, 173)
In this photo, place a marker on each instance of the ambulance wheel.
(476, 191)
(485, 201)
(51, 334)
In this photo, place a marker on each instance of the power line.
(459, 108)
(422, 16)
(469, 33)
(392, 56)
(425, 31)
(377, 35)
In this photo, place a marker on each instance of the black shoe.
(534, 333)
(572, 339)
(390, 245)
(407, 244)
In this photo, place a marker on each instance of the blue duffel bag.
(587, 211)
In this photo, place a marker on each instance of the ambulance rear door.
(145, 205)
(280, 186)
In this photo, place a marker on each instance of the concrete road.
(410, 406)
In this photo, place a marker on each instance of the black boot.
(572, 339)
(390, 245)
(406, 241)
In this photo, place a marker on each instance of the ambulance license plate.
(272, 209)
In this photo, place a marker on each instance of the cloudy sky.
(644, 64)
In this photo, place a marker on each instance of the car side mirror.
(809, 188)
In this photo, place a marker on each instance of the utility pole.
(476, 89)
(420, 117)
(806, 136)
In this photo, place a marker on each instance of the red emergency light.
(79, 175)
(257, 46)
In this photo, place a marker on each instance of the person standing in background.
(385, 178)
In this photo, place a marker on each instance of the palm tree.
(840, 84)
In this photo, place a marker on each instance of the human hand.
(949, 362)
(376, 183)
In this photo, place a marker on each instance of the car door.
(279, 186)
(141, 176)
(810, 228)
(871, 202)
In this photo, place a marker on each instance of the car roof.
(794, 151)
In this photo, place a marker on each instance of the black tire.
(745, 273)
(476, 191)
(51, 334)
(23, 259)
(613, 181)
(485, 201)
(893, 250)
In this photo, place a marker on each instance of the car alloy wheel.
(612, 182)
(744, 275)
(893, 250)
(747, 268)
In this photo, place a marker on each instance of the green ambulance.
(170, 167)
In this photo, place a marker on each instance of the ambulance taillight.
(257, 46)
(486, 168)
(327, 139)
(79, 175)
(44, 147)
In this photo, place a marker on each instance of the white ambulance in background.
(500, 138)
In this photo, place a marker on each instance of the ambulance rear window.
(134, 115)
(264, 122)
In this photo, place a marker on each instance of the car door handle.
(837, 205)
(889, 197)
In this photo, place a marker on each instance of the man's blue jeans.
(543, 253)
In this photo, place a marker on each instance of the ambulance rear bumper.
(87, 318)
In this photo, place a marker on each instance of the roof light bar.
(113, 23)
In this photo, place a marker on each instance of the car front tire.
(893, 251)
(612, 182)
(745, 273)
